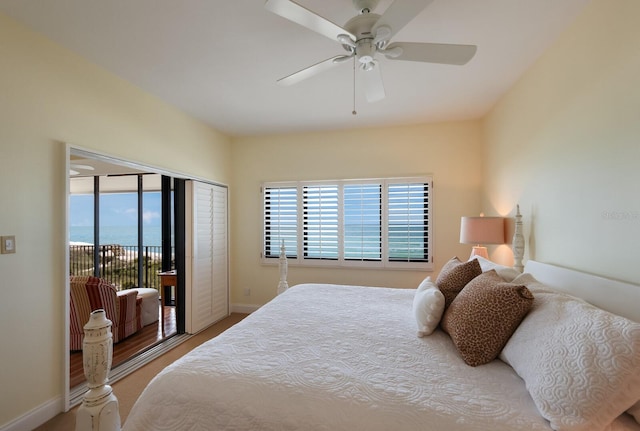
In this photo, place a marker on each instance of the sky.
(116, 209)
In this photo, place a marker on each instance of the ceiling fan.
(366, 35)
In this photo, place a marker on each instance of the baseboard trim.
(244, 308)
(36, 417)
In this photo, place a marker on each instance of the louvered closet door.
(209, 298)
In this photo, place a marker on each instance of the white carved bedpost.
(282, 286)
(518, 242)
(99, 409)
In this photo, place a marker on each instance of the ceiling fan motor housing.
(360, 26)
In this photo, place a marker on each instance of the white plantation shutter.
(208, 291)
(362, 222)
(280, 220)
(408, 222)
(220, 254)
(320, 232)
(376, 223)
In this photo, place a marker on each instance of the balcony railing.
(118, 264)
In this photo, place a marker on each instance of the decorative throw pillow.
(484, 315)
(428, 305)
(508, 273)
(454, 276)
(581, 364)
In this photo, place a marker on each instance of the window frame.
(340, 261)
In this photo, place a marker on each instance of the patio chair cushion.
(89, 293)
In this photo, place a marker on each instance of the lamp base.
(479, 251)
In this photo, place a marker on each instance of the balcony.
(118, 264)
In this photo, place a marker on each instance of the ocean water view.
(121, 235)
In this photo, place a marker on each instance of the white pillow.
(428, 305)
(508, 273)
(580, 364)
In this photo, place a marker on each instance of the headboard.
(611, 295)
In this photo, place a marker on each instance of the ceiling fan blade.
(310, 71)
(373, 84)
(400, 13)
(82, 167)
(306, 18)
(442, 53)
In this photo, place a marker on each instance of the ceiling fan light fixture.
(365, 51)
(368, 67)
(345, 39)
(383, 34)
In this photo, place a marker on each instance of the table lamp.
(479, 231)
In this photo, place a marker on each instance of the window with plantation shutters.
(320, 221)
(280, 220)
(408, 225)
(363, 223)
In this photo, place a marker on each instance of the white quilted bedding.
(329, 357)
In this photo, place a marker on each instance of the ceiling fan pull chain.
(354, 87)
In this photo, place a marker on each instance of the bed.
(334, 357)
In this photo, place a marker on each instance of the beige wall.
(49, 96)
(451, 152)
(565, 144)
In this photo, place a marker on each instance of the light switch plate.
(8, 244)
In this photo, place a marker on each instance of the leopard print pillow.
(454, 276)
(484, 315)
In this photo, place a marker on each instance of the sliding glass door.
(123, 243)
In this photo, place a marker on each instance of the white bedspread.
(328, 357)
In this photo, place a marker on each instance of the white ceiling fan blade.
(310, 71)
(373, 84)
(82, 167)
(306, 18)
(400, 13)
(434, 52)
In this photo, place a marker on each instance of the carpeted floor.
(130, 387)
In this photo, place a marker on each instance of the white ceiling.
(219, 60)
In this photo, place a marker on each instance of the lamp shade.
(482, 230)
